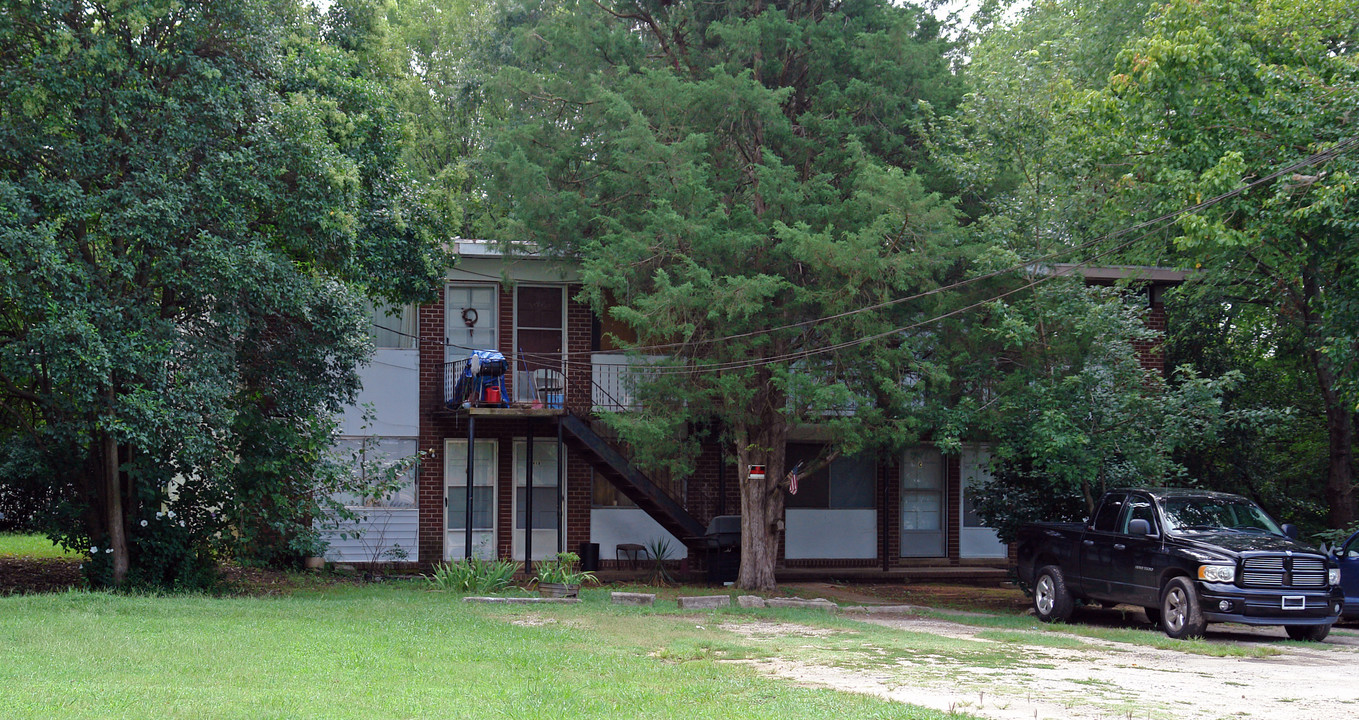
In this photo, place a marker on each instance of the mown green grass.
(31, 546)
(390, 651)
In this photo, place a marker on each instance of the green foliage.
(194, 197)
(1214, 96)
(563, 569)
(1090, 117)
(473, 575)
(728, 174)
(1080, 415)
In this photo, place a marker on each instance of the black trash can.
(589, 556)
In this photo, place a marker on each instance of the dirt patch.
(533, 621)
(775, 629)
(1098, 679)
(993, 597)
(21, 576)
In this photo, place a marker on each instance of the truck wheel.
(1181, 616)
(1314, 633)
(1051, 601)
(1153, 615)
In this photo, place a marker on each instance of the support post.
(561, 490)
(528, 502)
(471, 452)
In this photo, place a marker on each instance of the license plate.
(1294, 602)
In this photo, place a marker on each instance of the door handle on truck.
(1088, 542)
(1120, 546)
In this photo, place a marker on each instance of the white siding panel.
(391, 384)
(611, 526)
(383, 528)
(830, 534)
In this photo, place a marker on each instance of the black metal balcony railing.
(541, 387)
(614, 378)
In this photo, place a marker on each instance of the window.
(392, 326)
(545, 500)
(374, 460)
(922, 491)
(470, 319)
(483, 486)
(540, 339)
(1139, 508)
(847, 482)
(1107, 519)
(604, 494)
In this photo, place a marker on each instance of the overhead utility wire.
(1314, 159)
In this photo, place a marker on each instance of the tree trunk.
(1340, 459)
(113, 509)
(761, 501)
(1339, 417)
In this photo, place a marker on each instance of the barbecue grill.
(722, 548)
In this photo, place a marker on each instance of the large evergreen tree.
(730, 174)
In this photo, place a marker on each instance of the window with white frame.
(392, 326)
(375, 462)
(470, 318)
(546, 512)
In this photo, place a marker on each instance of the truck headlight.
(1333, 576)
(1217, 573)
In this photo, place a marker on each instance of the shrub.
(473, 575)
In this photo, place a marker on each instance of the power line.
(1156, 224)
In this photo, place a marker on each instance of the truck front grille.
(1283, 572)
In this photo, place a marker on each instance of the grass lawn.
(398, 651)
(31, 546)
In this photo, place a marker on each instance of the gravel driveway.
(1106, 680)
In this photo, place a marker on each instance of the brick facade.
(711, 490)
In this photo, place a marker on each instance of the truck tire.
(1051, 601)
(1313, 633)
(1181, 616)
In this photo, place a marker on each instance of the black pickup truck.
(1188, 557)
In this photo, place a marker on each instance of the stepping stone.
(627, 598)
(522, 600)
(816, 604)
(704, 601)
(750, 601)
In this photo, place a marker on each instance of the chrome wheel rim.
(1175, 611)
(1044, 595)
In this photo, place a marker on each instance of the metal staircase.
(630, 481)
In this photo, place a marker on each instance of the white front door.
(922, 504)
(483, 499)
(546, 499)
(975, 540)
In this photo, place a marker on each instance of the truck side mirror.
(1139, 526)
(1290, 531)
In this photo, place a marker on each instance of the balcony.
(487, 390)
(614, 378)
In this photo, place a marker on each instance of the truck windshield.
(1214, 514)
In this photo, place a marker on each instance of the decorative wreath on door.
(469, 317)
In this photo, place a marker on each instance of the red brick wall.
(431, 490)
(438, 423)
(1152, 352)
